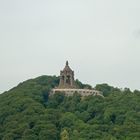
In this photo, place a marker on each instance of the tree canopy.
(27, 112)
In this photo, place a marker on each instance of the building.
(68, 87)
(67, 78)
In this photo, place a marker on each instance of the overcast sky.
(100, 38)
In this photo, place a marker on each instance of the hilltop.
(28, 113)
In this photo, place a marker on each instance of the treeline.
(28, 113)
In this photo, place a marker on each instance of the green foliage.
(106, 89)
(81, 85)
(27, 112)
(64, 135)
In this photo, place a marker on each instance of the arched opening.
(68, 79)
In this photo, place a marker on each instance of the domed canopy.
(67, 77)
(67, 68)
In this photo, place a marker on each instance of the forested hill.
(27, 113)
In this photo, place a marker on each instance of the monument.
(68, 87)
(67, 77)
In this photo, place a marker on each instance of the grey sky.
(100, 38)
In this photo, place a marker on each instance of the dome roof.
(67, 68)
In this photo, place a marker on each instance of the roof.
(67, 68)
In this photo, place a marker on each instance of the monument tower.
(68, 87)
(66, 77)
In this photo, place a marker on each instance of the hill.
(28, 113)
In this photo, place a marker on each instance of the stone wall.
(82, 92)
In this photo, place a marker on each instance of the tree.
(64, 135)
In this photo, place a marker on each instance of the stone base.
(82, 92)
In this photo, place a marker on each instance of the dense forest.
(27, 112)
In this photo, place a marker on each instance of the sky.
(99, 38)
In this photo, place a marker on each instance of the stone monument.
(67, 78)
(68, 87)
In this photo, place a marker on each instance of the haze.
(100, 38)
